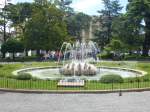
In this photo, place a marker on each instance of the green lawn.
(6, 80)
(7, 69)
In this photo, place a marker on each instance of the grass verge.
(6, 80)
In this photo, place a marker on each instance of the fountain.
(79, 54)
(79, 69)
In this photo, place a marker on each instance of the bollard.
(120, 93)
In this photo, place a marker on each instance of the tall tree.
(1, 30)
(76, 23)
(63, 5)
(45, 30)
(19, 14)
(138, 10)
(41, 2)
(3, 22)
(129, 32)
(111, 10)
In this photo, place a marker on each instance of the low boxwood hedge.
(24, 76)
(112, 78)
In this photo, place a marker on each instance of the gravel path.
(129, 102)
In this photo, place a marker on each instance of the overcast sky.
(87, 6)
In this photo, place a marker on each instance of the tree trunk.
(38, 55)
(4, 55)
(13, 56)
(130, 53)
(26, 52)
(38, 52)
(146, 44)
(109, 31)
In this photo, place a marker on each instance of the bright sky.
(87, 6)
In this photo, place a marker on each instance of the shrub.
(10, 76)
(12, 46)
(35, 79)
(1, 66)
(131, 57)
(136, 57)
(137, 79)
(130, 80)
(105, 56)
(146, 79)
(111, 79)
(24, 76)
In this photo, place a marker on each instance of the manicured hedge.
(24, 76)
(105, 56)
(112, 78)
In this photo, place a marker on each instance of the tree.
(65, 6)
(138, 10)
(41, 2)
(1, 29)
(12, 46)
(45, 30)
(3, 23)
(111, 10)
(128, 32)
(76, 23)
(116, 46)
(3, 26)
(19, 14)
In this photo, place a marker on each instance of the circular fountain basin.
(53, 73)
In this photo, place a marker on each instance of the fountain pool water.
(54, 74)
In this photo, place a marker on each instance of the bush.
(130, 80)
(10, 76)
(12, 46)
(24, 76)
(136, 57)
(105, 56)
(137, 79)
(146, 78)
(111, 79)
(131, 57)
(1, 66)
(35, 79)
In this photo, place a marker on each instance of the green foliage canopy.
(46, 29)
(12, 46)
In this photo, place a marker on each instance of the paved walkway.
(129, 102)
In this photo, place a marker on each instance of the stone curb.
(119, 68)
(127, 69)
(73, 92)
(32, 68)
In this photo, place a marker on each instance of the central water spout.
(79, 53)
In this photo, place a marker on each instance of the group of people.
(58, 55)
(52, 55)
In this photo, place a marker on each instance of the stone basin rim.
(142, 73)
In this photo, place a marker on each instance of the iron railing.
(52, 85)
